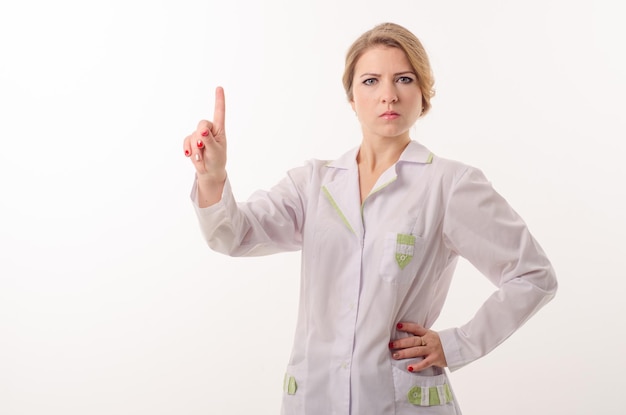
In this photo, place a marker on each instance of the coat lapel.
(342, 191)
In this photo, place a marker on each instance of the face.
(386, 96)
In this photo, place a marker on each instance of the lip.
(389, 115)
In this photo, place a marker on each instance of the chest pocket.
(402, 254)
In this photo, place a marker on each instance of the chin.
(394, 134)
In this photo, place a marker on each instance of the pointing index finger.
(219, 113)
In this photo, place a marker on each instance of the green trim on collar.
(336, 207)
(378, 189)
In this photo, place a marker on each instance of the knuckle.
(412, 352)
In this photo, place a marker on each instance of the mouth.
(389, 115)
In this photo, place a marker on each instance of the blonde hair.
(396, 36)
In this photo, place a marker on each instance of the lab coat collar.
(343, 190)
(413, 153)
(416, 153)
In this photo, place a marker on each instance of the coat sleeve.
(268, 222)
(480, 226)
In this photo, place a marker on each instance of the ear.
(353, 105)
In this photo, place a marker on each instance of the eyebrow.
(395, 74)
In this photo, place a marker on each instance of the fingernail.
(205, 133)
(391, 345)
(200, 144)
(399, 325)
(187, 153)
(410, 368)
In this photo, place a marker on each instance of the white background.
(110, 302)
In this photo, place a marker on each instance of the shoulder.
(455, 171)
(309, 169)
(453, 179)
(418, 156)
(317, 168)
(308, 176)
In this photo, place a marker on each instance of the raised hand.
(206, 147)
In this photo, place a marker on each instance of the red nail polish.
(410, 368)
(391, 345)
(200, 144)
(205, 133)
(187, 153)
(399, 325)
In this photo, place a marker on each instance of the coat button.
(292, 386)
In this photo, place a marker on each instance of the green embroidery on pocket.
(433, 396)
(447, 392)
(404, 249)
(415, 395)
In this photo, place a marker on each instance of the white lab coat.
(366, 267)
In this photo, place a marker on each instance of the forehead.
(383, 59)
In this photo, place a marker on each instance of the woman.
(380, 229)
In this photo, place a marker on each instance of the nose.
(389, 94)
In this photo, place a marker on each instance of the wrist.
(211, 179)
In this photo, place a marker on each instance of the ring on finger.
(423, 341)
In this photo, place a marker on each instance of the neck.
(378, 155)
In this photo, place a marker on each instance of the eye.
(370, 81)
(404, 79)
